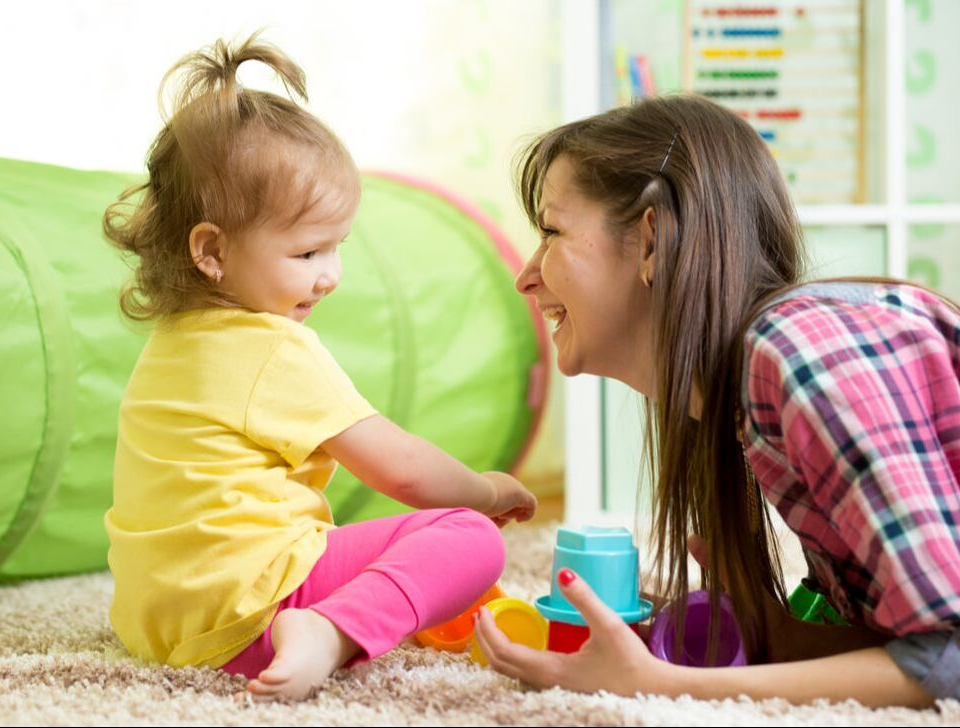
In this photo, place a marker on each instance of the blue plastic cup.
(608, 561)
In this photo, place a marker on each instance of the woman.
(670, 259)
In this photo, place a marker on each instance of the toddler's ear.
(206, 249)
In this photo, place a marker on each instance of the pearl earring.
(218, 276)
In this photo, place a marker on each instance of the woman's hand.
(616, 660)
(613, 658)
(512, 501)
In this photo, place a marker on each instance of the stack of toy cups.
(608, 561)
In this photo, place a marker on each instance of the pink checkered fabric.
(852, 395)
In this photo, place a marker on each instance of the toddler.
(221, 541)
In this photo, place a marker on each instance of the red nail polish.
(565, 577)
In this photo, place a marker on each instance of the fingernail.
(565, 577)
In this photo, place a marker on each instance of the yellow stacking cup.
(519, 621)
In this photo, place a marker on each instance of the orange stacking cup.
(455, 635)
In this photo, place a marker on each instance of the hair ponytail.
(210, 76)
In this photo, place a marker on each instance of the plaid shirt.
(853, 432)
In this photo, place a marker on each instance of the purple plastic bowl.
(730, 650)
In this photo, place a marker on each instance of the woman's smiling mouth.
(557, 314)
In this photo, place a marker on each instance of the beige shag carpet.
(60, 664)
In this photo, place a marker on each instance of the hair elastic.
(669, 149)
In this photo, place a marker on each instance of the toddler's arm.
(413, 471)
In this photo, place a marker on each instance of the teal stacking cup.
(607, 560)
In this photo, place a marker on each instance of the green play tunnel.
(425, 321)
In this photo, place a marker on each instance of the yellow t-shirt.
(218, 508)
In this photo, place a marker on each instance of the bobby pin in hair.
(666, 156)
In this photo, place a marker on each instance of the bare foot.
(309, 647)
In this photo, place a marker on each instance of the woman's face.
(588, 283)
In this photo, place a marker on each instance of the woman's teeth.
(557, 314)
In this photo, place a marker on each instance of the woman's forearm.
(869, 676)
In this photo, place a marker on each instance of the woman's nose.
(529, 278)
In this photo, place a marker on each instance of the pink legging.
(382, 580)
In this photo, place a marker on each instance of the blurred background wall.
(448, 90)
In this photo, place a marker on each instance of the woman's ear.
(648, 253)
(207, 244)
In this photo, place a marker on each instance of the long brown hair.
(227, 155)
(727, 236)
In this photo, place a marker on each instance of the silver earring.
(218, 276)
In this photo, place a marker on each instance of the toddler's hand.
(513, 501)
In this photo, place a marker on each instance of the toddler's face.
(287, 270)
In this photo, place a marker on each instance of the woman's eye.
(308, 255)
(547, 233)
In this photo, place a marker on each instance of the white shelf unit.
(580, 19)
